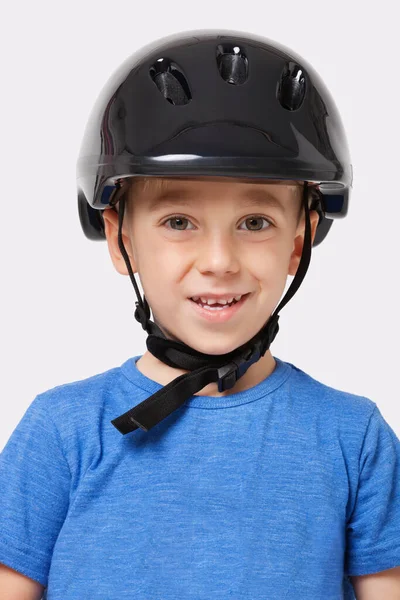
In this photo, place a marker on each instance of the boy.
(218, 157)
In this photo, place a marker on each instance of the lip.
(220, 316)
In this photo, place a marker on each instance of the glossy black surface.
(212, 102)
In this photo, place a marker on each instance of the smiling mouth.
(218, 306)
(219, 314)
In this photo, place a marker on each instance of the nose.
(218, 253)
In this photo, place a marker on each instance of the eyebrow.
(248, 198)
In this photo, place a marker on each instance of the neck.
(163, 374)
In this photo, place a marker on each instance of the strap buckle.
(230, 373)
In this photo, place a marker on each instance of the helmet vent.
(232, 64)
(170, 81)
(292, 86)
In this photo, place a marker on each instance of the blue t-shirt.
(280, 491)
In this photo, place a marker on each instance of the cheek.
(269, 262)
(163, 262)
(159, 268)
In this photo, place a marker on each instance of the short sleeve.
(373, 529)
(34, 492)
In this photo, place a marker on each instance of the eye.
(255, 218)
(178, 219)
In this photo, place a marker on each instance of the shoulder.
(329, 399)
(79, 408)
(80, 414)
(337, 418)
(82, 394)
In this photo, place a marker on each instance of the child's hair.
(132, 186)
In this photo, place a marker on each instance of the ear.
(299, 241)
(111, 230)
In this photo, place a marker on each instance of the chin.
(214, 346)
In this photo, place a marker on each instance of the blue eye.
(178, 218)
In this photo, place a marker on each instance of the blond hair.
(138, 184)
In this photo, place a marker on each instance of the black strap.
(161, 404)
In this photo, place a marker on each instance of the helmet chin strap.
(203, 369)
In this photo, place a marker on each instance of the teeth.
(215, 300)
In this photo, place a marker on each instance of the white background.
(66, 314)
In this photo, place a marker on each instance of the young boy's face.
(210, 235)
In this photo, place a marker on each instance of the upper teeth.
(215, 300)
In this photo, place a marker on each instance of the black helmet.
(216, 103)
